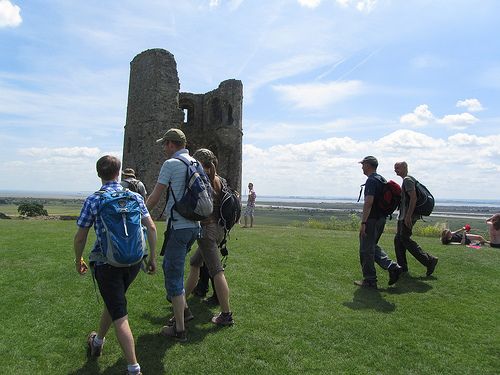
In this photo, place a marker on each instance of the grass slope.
(295, 307)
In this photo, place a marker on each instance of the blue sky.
(326, 82)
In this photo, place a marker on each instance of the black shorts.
(497, 245)
(113, 283)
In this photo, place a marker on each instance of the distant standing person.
(371, 229)
(406, 221)
(250, 208)
(113, 281)
(494, 227)
(181, 233)
(129, 181)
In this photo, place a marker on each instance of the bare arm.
(79, 245)
(155, 196)
(411, 207)
(151, 233)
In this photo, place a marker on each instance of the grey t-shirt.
(407, 186)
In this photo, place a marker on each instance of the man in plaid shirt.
(113, 281)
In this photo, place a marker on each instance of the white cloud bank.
(329, 167)
(10, 14)
(422, 116)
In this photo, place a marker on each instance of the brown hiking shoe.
(171, 331)
(93, 350)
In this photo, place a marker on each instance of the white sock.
(134, 369)
(98, 341)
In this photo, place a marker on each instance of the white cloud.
(319, 95)
(472, 105)
(421, 116)
(213, 3)
(460, 121)
(329, 167)
(365, 6)
(10, 14)
(62, 152)
(309, 3)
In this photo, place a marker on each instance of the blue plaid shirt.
(88, 216)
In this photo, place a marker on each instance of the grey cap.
(173, 134)
(372, 160)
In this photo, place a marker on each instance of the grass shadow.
(409, 284)
(151, 348)
(92, 367)
(367, 298)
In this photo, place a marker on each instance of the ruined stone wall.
(212, 120)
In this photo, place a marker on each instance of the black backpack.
(425, 200)
(133, 185)
(229, 212)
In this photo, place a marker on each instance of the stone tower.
(212, 120)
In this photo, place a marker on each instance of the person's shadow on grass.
(152, 347)
(369, 298)
(92, 367)
(409, 284)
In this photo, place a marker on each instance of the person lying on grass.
(461, 237)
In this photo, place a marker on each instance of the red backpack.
(390, 197)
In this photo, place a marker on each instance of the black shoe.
(366, 284)
(211, 301)
(394, 273)
(432, 265)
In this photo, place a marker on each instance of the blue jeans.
(178, 245)
(370, 252)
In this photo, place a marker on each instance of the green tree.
(31, 209)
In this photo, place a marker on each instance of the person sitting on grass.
(461, 237)
(494, 227)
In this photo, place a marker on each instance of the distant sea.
(260, 198)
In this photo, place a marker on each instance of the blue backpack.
(122, 241)
(196, 203)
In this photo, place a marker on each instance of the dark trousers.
(403, 242)
(370, 252)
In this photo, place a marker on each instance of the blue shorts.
(178, 245)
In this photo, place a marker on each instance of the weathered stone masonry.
(212, 120)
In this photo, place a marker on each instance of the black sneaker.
(188, 316)
(366, 283)
(394, 273)
(223, 319)
(432, 266)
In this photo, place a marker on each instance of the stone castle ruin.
(212, 120)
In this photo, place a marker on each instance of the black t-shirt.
(373, 186)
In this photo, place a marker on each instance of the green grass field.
(295, 306)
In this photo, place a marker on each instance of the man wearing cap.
(129, 181)
(181, 233)
(371, 229)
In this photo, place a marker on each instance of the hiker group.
(381, 198)
(200, 208)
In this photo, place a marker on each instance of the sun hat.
(128, 172)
